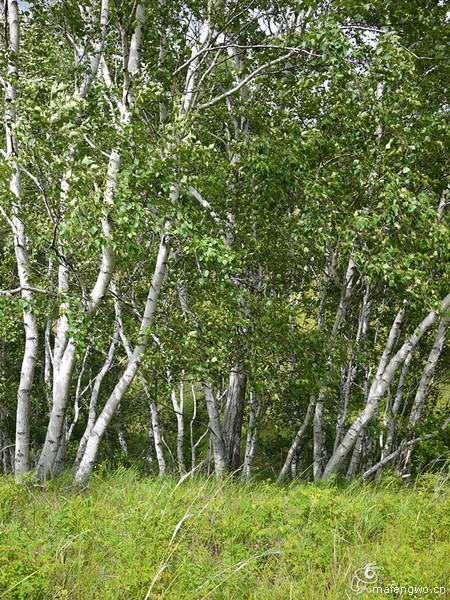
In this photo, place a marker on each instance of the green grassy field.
(124, 537)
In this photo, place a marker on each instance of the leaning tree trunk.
(387, 446)
(98, 430)
(428, 372)
(424, 385)
(295, 444)
(385, 374)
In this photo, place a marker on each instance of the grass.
(124, 537)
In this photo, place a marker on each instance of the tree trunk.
(178, 409)
(318, 441)
(387, 446)
(120, 431)
(158, 439)
(287, 463)
(428, 372)
(232, 421)
(94, 397)
(217, 441)
(256, 409)
(98, 430)
(385, 374)
(150, 454)
(22, 447)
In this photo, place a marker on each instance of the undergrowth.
(123, 537)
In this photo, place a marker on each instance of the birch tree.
(222, 190)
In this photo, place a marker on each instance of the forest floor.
(125, 537)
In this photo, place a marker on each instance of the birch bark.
(98, 430)
(218, 445)
(22, 447)
(295, 444)
(65, 364)
(232, 420)
(385, 374)
(256, 410)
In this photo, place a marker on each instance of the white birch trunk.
(155, 426)
(157, 436)
(318, 441)
(352, 369)
(424, 384)
(22, 447)
(232, 420)
(218, 445)
(98, 430)
(150, 454)
(395, 408)
(256, 410)
(428, 372)
(356, 456)
(94, 397)
(48, 362)
(120, 431)
(178, 408)
(295, 444)
(194, 445)
(385, 374)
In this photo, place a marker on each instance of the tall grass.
(124, 537)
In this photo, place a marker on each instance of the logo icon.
(365, 576)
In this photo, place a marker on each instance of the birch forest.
(224, 238)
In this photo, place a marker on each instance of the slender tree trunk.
(318, 441)
(385, 374)
(98, 430)
(158, 438)
(217, 441)
(92, 415)
(287, 463)
(120, 431)
(256, 409)
(356, 456)
(387, 446)
(423, 388)
(48, 359)
(428, 372)
(22, 447)
(191, 430)
(178, 409)
(151, 395)
(352, 369)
